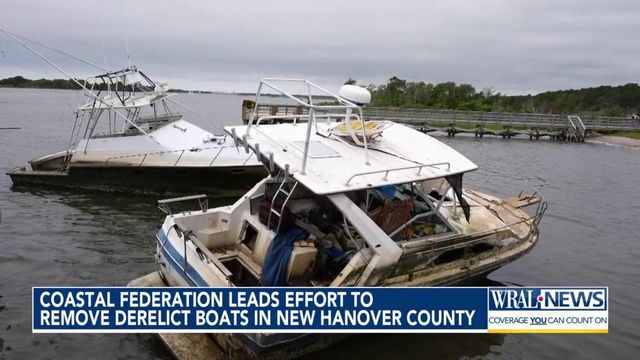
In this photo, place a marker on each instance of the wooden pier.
(503, 124)
(452, 122)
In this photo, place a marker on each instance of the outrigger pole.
(77, 82)
(90, 63)
(59, 51)
(193, 111)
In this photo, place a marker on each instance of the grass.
(628, 134)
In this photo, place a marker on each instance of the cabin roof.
(401, 155)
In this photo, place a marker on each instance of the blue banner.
(299, 309)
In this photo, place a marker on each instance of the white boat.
(127, 138)
(339, 209)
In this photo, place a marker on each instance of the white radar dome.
(355, 94)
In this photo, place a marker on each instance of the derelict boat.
(126, 138)
(383, 206)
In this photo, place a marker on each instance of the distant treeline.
(21, 82)
(604, 100)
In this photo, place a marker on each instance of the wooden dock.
(503, 124)
(566, 127)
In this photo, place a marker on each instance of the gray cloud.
(515, 46)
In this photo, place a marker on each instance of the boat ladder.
(280, 192)
(75, 131)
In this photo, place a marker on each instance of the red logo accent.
(540, 298)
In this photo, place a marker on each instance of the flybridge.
(331, 157)
(126, 88)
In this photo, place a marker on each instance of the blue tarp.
(389, 191)
(274, 269)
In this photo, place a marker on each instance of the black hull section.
(214, 181)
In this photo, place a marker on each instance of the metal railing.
(387, 171)
(295, 118)
(165, 204)
(181, 151)
(525, 120)
(527, 189)
(338, 104)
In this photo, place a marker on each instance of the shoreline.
(615, 140)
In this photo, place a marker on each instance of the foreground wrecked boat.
(127, 138)
(383, 206)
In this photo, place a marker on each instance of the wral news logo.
(511, 299)
(548, 310)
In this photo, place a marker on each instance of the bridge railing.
(470, 118)
(525, 120)
(597, 122)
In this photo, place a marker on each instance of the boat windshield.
(404, 212)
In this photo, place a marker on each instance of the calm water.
(589, 237)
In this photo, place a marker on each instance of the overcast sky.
(514, 46)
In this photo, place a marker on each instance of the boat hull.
(301, 344)
(463, 272)
(226, 181)
(241, 346)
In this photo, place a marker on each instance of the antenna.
(104, 56)
(124, 30)
(126, 46)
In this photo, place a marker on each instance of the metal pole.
(306, 143)
(255, 107)
(364, 136)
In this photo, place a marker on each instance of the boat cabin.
(346, 203)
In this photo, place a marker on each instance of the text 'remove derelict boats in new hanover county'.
(347, 203)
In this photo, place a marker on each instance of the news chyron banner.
(325, 310)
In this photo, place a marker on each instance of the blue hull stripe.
(176, 260)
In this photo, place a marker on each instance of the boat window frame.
(434, 204)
